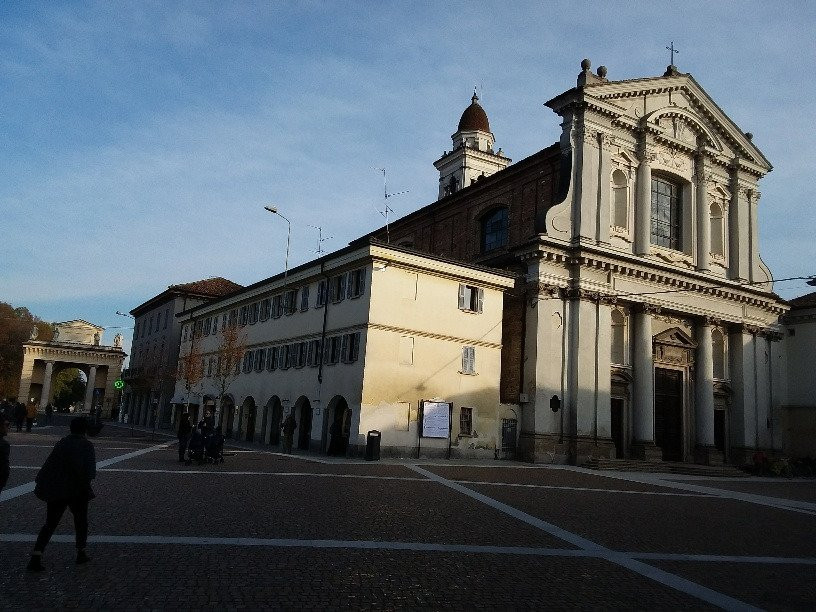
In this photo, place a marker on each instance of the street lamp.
(274, 211)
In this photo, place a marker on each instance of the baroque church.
(643, 324)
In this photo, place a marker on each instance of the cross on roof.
(672, 51)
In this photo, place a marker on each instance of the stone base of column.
(646, 450)
(741, 455)
(708, 455)
(588, 448)
(543, 448)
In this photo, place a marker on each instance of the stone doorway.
(669, 413)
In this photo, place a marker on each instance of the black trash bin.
(372, 452)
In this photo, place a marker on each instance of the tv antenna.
(386, 207)
(320, 239)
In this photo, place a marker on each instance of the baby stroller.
(214, 447)
(195, 449)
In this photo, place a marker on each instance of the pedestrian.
(19, 415)
(289, 426)
(64, 481)
(184, 431)
(49, 413)
(4, 452)
(31, 414)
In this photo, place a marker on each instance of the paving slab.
(802, 490)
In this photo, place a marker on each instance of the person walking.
(49, 413)
(64, 481)
(31, 414)
(184, 431)
(4, 452)
(289, 426)
(19, 415)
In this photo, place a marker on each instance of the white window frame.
(471, 298)
(468, 360)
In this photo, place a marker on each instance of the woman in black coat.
(184, 431)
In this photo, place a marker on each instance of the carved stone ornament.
(646, 154)
(34, 333)
(644, 308)
(674, 347)
(608, 142)
(672, 159)
(542, 289)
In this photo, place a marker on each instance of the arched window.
(667, 219)
(717, 243)
(620, 200)
(494, 230)
(718, 353)
(618, 337)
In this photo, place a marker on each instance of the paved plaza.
(265, 530)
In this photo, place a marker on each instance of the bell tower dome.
(472, 156)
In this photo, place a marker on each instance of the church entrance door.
(669, 413)
(617, 426)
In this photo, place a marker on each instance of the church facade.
(645, 325)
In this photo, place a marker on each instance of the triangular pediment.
(79, 324)
(676, 108)
(675, 337)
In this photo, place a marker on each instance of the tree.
(68, 388)
(231, 347)
(190, 369)
(16, 325)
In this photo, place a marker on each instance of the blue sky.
(139, 141)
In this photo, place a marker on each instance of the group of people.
(19, 413)
(64, 481)
(200, 443)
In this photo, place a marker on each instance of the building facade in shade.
(359, 340)
(151, 373)
(76, 344)
(648, 318)
(796, 424)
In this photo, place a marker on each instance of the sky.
(140, 141)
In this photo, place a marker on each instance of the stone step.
(669, 467)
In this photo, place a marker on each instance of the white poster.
(435, 419)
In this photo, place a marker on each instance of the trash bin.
(372, 452)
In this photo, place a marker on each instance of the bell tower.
(472, 156)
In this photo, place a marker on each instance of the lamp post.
(274, 211)
(121, 401)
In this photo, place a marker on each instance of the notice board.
(436, 419)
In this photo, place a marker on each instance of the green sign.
(119, 383)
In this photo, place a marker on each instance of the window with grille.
(253, 313)
(248, 362)
(471, 298)
(233, 317)
(304, 298)
(313, 358)
(495, 230)
(283, 357)
(243, 315)
(290, 301)
(260, 358)
(466, 421)
(207, 324)
(266, 308)
(337, 288)
(277, 306)
(272, 359)
(321, 294)
(468, 360)
(356, 283)
(350, 347)
(666, 213)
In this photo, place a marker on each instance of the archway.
(338, 419)
(246, 423)
(225, 418)
(274, 410)
(303, 415)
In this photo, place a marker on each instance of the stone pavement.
(265, 530)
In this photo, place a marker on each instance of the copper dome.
(474, 117)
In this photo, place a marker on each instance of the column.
(89, 388)
(703, 218)
(46, 388)
(643, 444)
(643, 203)
(743, 415)
(604, 189)
(704, 394)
